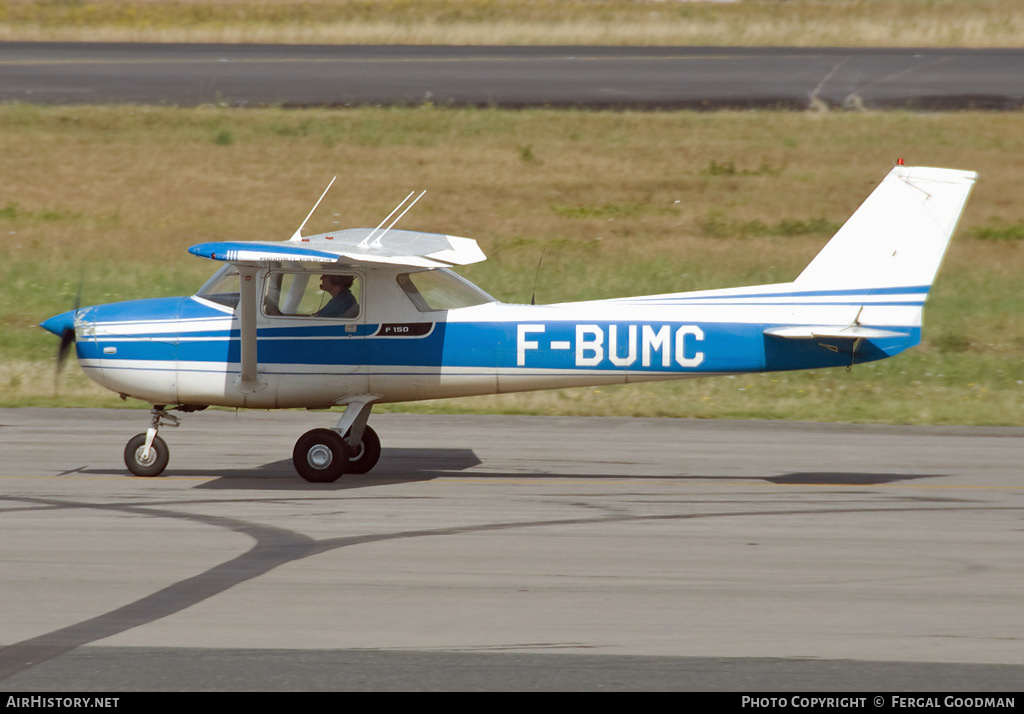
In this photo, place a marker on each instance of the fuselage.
(186, 350)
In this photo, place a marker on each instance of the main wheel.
(320, 456)
(155, 464)
(365, 456)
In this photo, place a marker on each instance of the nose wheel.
(147, 454)
(143, 461)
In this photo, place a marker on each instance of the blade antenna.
(376, 243)
(366, 240)
(536, 275)
(297, 235)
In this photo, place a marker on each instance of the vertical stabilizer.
(898, 236)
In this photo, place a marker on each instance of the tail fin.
(875, 274)
(899, 235)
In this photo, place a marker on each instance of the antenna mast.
(376, 244)
(297, 235)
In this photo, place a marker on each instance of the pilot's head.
(334, 284)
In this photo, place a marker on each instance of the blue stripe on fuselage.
(801, 297)
(657, 347)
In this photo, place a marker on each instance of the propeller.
(67, 338)
(67, 335)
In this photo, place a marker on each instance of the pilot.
(342, 303)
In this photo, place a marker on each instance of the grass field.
(903, 23)
(619, 203)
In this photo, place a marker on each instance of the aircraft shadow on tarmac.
(395, 466)
(399, 465)
(843, 479)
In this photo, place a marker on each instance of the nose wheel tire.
(321, 456)
(151, 465)
(365, 456)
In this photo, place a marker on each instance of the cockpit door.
(313, 322)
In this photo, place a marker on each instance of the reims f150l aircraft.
(362, 316)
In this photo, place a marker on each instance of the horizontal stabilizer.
(850, 332)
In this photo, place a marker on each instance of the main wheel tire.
(365, 456)
(321, 456)
(159, 455)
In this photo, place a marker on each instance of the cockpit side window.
(222, 287)
(329, 295)
(441, 289)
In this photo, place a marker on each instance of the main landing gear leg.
(362, 440)
(351, 447)
(147, 454)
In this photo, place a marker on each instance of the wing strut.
(248, 381)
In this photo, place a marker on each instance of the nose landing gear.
(147, 454)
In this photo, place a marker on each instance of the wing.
(353, 245)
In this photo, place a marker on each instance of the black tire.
(320, 456)
(365, 457)
(159, 455)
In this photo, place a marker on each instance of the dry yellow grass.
(907, 23)
(621, 186)
(620, 203)
(36, 382)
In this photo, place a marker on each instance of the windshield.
(441, 289)
(222, 287)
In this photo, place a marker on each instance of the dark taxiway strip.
(596, 77)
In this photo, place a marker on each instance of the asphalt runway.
(703, 78)
(512, 553)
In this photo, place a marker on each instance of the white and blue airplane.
(360, 317)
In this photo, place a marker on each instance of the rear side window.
(433, 290)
